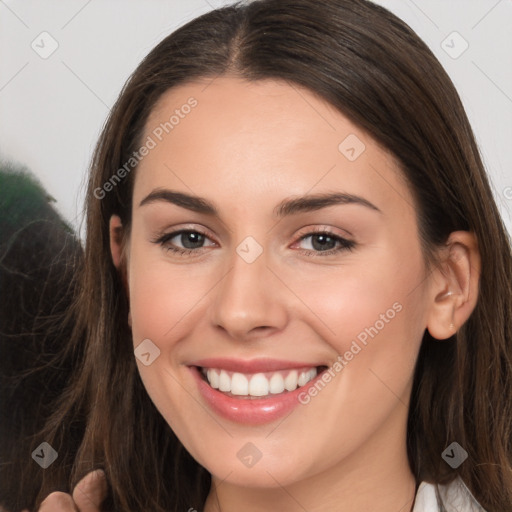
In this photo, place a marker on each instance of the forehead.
(230, 138)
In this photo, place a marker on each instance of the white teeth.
(303, 378)
(276, 383)
(290, 382)
(224, 381)
(213, 378)
(239, 384)
(258, 384)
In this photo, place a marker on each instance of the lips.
(253, 392)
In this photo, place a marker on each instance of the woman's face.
(261, 300)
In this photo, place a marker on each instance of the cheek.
(373, 317)
(355, 300)
(162, 297)
(162, 305)
(166, 303)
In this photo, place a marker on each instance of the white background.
(52, 110)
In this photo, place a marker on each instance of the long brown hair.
(375, 70)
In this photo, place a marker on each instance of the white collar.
(455, 496)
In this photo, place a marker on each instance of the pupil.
(191, 236)
(322, 243)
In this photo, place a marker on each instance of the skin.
(246, 147)
(86, 497)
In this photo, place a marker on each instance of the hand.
(87, 496)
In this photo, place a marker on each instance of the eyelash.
(344, 243)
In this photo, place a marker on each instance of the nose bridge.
(248, 297)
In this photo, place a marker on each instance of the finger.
(90, 492)
(58, 502)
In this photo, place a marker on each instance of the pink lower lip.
(255, 411)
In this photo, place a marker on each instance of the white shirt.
(456, 497)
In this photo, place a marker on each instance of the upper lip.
(261, 365)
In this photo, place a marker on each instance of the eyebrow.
(285, 208)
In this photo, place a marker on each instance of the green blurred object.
(40, 257)
(23, 200)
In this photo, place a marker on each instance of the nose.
(250, 300)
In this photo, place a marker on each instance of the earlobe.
(117, 249)
(455, 285)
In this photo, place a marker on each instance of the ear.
(455, 285)
(118, 249)
(116, 240)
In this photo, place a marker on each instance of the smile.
(258, 384)
(253, 392)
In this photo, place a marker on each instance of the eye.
(323, 243)
(191, 240)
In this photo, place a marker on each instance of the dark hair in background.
(38, 256)
(375, 70)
